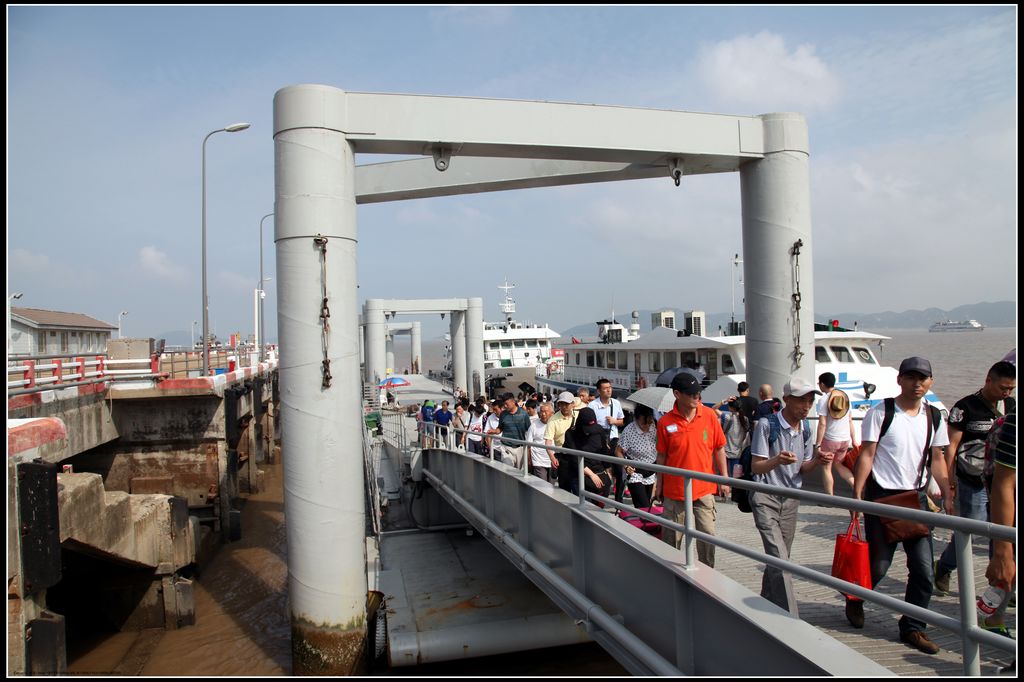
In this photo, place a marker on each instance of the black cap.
(916, 364)
(685, 382)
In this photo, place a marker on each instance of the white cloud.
(156, 263)
(25, 261)
(760, 72)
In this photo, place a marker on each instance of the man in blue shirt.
(609, 415)
(443, 418)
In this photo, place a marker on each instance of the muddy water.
(242, 623)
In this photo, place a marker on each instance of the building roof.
(56, 318)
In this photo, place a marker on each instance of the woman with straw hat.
(835, 431)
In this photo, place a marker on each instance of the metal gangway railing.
(971, 635)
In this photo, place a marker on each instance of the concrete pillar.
(416, 348)
(322, 436)
(776, 214)
(362, 344)
(389, 352)
(457, 329)
(475, 346)
(373, 322)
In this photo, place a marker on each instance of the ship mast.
(509, 306)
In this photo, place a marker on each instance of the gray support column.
(416, 349)
(373, 322)
(362, 344)
(389, 352)
(475, 346)
(776, 214)
(458, 334)
(322, 434)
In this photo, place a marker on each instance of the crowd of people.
(966, 463)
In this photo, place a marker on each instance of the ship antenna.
(509, 306)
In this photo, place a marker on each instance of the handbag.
(851, 561)
(900, 530)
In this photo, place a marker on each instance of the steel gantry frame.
(474, 145)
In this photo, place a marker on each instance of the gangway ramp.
(630, 590)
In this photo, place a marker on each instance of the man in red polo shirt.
(690, 437)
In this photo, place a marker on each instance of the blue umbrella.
(394, 382)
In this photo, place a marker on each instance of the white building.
(50, 332)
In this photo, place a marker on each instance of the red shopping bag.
(850, 561)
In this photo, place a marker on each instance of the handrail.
(971, 635)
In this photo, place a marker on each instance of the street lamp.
(261, 340)
(12, 297)
(119, 316)
(233, 128)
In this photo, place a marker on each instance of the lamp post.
(262, 339)
(233, 128)
(12, 297)
(119, 316)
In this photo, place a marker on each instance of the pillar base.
(320, 650)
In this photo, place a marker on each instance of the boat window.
(842, 353)
(727, 366)
(531, 343)
(506, 344)
(543, 343)
(686, 358)
(577, 359)
(671, 359)
(623, 359)
(864, 355)
(520, 343)
(600, 359)
(654, 360)
(493, 345)
(590, 358)
(821, 355)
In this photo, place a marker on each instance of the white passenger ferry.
(632, 361)
(951, 326)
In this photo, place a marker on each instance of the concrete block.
(150, 485)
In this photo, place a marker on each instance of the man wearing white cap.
(554, 434)
(782, 451)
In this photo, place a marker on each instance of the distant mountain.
(999, 314)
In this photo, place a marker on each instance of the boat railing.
(971, 635)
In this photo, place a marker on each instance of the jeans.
(972, 503)
(919, 560)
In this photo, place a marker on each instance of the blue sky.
(912, 115)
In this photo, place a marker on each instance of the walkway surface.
(822, 606)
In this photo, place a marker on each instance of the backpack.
(742, 497)
(992, 443)
(972, 459)
(428, 414)
(936, 417)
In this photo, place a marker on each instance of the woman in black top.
(589, 436)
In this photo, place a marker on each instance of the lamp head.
(235, 127)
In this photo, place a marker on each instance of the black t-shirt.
(973, 417)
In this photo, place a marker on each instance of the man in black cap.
(896, 446)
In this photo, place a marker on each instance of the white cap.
(798, 388)
(565, 397)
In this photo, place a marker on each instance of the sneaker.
(919, 641)
(942, 580)
(855, 613)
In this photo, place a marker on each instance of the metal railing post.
(580, 465)
(965, 578)
(688, 506)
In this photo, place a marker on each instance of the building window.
(41, 341)
(63, 342)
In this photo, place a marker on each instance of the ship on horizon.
(953, 326)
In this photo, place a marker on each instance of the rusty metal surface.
(327, 651)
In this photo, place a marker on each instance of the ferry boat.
(631, 361)
(951, 326)
(514, 351)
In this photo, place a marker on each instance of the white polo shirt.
(899, 453)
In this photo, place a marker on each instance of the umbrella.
(657, 398)
(394, 382)
(666, 377)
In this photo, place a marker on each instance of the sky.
(912, 115)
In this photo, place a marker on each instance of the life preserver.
(641, 383)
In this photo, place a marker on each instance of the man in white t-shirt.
(540, 463)
(890, 463)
